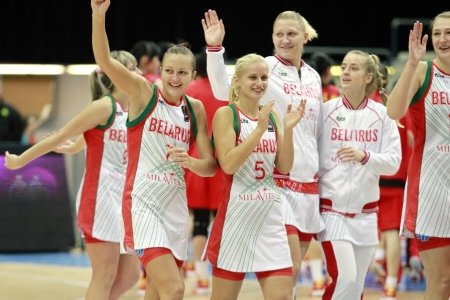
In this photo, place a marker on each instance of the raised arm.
(130, 82)
(285, 140)
(413, 73)
(94, 114)
(214, 31)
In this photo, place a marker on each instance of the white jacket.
(352, 187)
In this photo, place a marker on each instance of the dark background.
(49, 31)
(35, 218)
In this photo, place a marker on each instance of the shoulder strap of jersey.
(237, 128)
(111, 116)
(193, 118)
(424, 88)
(274, 123)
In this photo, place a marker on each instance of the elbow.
(74, 151)
(228, 171)
(391, 172)
(394, 115)
(390, 114)
(212, 171)
(206, 169)
(284, 164)
(212, 168)
(228, 168)
(393, 168)
(284, 169)
(219, 96)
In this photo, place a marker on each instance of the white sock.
(391, 282)
(201, 269)
(379, 254)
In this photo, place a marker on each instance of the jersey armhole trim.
(111, 117)
(150, 106)
(421, 91)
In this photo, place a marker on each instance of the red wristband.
(214, 48)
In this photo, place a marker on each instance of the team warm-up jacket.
(352, 187)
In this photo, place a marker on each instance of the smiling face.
(252, 81)
(176, 74)
(440, 37)
(250, 78)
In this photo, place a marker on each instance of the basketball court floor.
(65, 276)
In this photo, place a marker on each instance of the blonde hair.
(445, 14)
(372, 64)
(100, 83)
(240, 66)
(303, 23)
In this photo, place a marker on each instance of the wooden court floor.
(20, 281)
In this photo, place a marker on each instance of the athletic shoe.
(202, 288)
(318, 289)
(142, 284)
(188, 269)
(389, 294)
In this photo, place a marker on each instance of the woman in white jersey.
(162, 122)
(424, 87)
(290, 81)
(358, 142)
(99, 201)
(248, 234)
